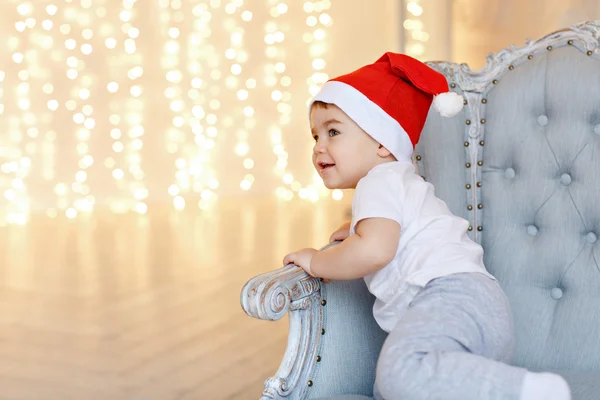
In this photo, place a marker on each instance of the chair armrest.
(270, 296)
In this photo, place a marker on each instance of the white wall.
(482, 27)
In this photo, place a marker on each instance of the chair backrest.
(522, 164)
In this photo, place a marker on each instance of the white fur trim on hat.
(369, 116)
(448, 104)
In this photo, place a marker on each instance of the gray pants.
(452, 343)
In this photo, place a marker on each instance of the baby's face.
(343, 152)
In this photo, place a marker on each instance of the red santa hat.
(390, 100)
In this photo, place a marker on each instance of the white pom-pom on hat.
(448, 104)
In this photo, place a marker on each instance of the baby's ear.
(383, 152)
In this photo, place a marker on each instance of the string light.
(317, 21)
(86, 99)
(274, 79)
(191, 137)
(416, 36)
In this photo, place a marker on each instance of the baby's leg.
(453, 343)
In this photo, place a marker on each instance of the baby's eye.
(333, 132)
(316, 137)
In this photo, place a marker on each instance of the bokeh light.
(416, 36)
(181, 102)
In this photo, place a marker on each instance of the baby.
(449, 322)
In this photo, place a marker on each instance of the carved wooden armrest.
(269, 296)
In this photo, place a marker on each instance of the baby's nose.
(319, 147)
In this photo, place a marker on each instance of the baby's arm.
(341, 233)
(372, 247)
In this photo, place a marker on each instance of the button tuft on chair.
(565, 179)
(556, 293)
(597, 129)
(542, 120)
(591, 237)
(532, 230)
(509, 173)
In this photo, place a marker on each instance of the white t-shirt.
(433, 242)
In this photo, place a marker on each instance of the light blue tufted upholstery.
(351, 343)
(541, 206)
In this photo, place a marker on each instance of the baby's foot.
(545, 386)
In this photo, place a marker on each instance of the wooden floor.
(146, 307)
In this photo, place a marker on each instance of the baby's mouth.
(325, 166)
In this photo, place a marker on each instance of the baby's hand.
(341, 234)
(301, 258)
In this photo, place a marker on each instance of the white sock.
(545, 386)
